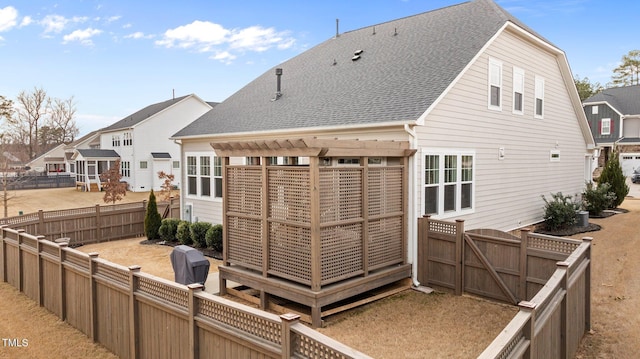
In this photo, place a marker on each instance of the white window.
(594, 109)
(200, 176)
(143, 165)
(539, 98)
(125, 169)
(176, 164)
(115, 141)
(448, 183)
(518, 91)
(495, 84)
(605, 126)
(127, 139)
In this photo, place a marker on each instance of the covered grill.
(189, 265)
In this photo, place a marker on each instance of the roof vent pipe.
(278, 92)
(337, 27)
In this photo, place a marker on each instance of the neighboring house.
(489, 105)
(614, 118)
(141, 142)
(58, 159)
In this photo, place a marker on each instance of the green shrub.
(613, 175)
(560, 212)
(198, 232)
(183, 233)
(152, 219)
(214, 237)
(168, 229)
(598, 198)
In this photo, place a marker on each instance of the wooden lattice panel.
(442, 227)
(385, 190)
(164, 291)
(289, 198)
(290, 252)
(248, 323)
(244, 190)
(340, 194)
(77, 258)
(341, 251)
(245, 241)
(385, 242)
(112, 272)
(552, 244)
(308, 347)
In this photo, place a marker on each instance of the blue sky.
(118, 56)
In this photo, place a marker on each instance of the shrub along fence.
(91, 224)
(549, 278)
(137, 315)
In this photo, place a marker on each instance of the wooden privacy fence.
(548, 277)
(91, 224)
(137, 315)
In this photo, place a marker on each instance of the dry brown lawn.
(407, 325)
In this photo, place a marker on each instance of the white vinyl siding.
(495, 84)
(518, 91)
(539, 104)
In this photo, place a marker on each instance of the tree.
(6, 108)
(628, 72)
(32, 109)
(114, 189)
(152, 220)
(613, 175)
(167, 185)
(585, 88)
(61, 119)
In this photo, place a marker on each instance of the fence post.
(194, 345)
(3, 256)
(587, 286)
(529, 330)
(39, 270)
(459, 256)
(98, 224)
(564, 326)
(423, 237)
(20, 269)
(133, 312)
(92, 296)
(524, 235)
(40, 221)
(288, 320)
(62, 253)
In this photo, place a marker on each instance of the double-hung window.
(518, 91)
(539, 97)
(125, 169)
(495, 84)
(448, 182)
(605, 126)
(203, 180)
(115, 141)
(127, 139)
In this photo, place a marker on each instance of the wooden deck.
(322, 303)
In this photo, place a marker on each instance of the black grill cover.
(189, 265)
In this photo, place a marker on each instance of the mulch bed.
(591, 227)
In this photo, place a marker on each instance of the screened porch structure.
(314, 221)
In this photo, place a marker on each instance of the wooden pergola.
(324, 230)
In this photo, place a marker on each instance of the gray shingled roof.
(625, 100)
(405, 65)
(97, 153)
(160, 155)
(143, 114)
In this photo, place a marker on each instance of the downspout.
(412, 230)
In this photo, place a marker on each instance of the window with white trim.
(127, 139)
(518, 91)
(605, 126)
(115, 141)
(176, 164)
(539, 97)
(448, 182)
(495, 84)
(125, 169)
(594, 109)
(201, 180)
(144, 165)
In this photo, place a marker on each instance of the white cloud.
(114, 18)
(138, 35)
(82, 36)
(205, 36)
(8, 18)
(126, 26)
(53, 23)
(26, 21)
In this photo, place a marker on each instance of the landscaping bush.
(152, 219)
(560, 212)
(598, 198)
(183, 233)
(214, 237)
(613, 175)
(198, 233)
(168, 229)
